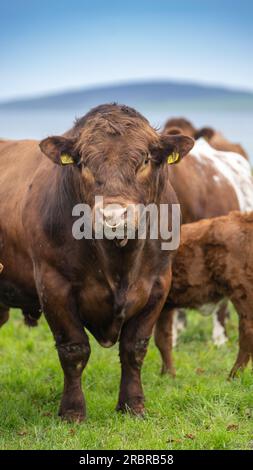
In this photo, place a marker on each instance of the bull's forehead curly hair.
(108, 111)
(109, 121)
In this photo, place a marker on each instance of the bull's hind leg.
(244, 310)
(4, 315)
(164, 340)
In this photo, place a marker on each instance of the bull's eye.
(144, 168)
(144, 161)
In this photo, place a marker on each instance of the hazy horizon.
(126, 83)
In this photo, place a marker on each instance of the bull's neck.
(120, 264)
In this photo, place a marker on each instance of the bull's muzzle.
(114, 217)
(118, 221)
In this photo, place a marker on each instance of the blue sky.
(48, 46)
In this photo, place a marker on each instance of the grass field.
(199, 409)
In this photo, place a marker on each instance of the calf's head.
(118, 155)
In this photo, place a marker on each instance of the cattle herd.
(124, 290)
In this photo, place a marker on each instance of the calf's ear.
(173, 131)
(206, 132)
(172, 148)
(60, 150)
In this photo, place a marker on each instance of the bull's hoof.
(72, 416)
(134, 410)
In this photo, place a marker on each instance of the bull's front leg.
(72, 342)
(133, 345)
(73, 357)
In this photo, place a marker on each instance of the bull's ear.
(60, 150)
(172, 148)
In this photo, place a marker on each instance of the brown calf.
(214, 260)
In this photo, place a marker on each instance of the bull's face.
(121, 158)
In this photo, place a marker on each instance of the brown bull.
(113, 288)
(214, 260)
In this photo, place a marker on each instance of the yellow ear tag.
(173, 158)
(66, 159)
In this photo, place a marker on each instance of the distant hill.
(135, 94)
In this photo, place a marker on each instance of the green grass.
(199, 409)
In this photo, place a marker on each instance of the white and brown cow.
(215, 138)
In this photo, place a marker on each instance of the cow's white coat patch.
(230, 165)
(209, 309)
(219, 335)
(178, 325)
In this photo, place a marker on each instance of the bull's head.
(119, 156)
